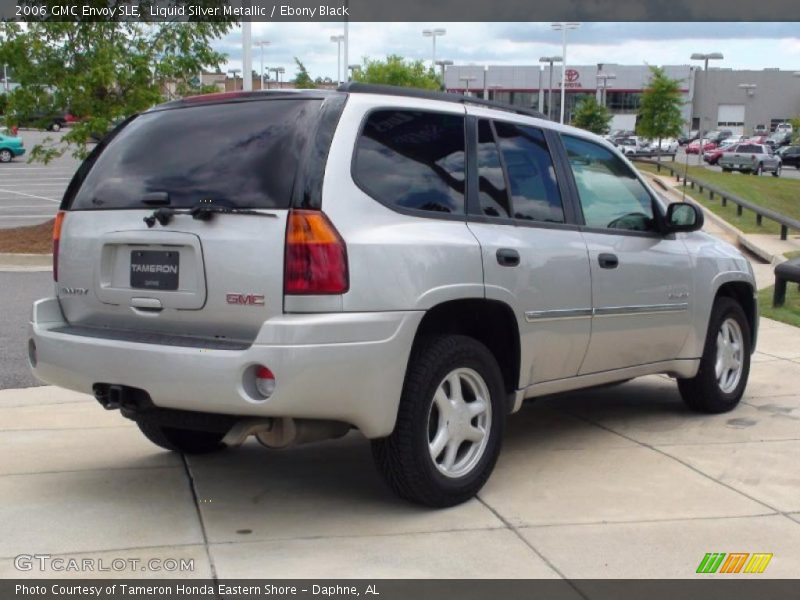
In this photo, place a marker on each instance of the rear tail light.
(265, 381)
(56, 238)
(316, 255)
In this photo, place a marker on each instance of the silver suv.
(413, 265)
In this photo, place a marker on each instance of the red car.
(712, 156)
(694, 147)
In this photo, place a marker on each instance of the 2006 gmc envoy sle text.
(410, 264)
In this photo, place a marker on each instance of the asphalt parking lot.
(31, 192)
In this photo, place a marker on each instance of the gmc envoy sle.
(293, 265)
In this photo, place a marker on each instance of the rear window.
(239, 154)
(413, 160)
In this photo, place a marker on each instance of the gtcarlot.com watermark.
(59, 564)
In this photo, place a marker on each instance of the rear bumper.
(345, 366)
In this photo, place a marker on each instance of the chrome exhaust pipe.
(278, 433)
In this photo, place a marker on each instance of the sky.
(744, 45)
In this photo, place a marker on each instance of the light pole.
(705, 58)
(750, 89)
(433, 33)
(234, 72)
(563, 27)
(338, 39)
(262, 43)
(247, 57)
(466, 79)
(278, 71)
(550, 60)
(442, 64)
(604, 77)
(352, 70)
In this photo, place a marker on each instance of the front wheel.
(777, 171)
(187, 441)
(725, 364)
(449, 424)
(5, 155)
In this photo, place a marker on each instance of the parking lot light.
(550, 60)
(262, 43)
(563, 27)
(433, 34)
(466, 79)
(338, 39)
(705, 58)
(442, 64)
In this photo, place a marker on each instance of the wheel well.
(743, 294)
(490, 322)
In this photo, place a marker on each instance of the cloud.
(745, 45)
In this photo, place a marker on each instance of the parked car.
(751, 158)
(719, 136)
(694, 147)
(760, 130)
(667, 145)
(11, 146)
(758, 139)
(790, 156)
(784, 128)
(685, 138)
(632, 145)
(779, 138)
(712, 156)
(43, 119)
(382, 281)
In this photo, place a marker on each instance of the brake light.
(316, 255)
(56, 239)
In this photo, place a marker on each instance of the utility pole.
(247, 55)
(563, 27)
(550, 60)
(262, 43)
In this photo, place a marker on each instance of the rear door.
(534, 259)
(133, 258)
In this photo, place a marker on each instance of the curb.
(25, 262)
(741, 237)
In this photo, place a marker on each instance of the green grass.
(779, 194)
(788, 313)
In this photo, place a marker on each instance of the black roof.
(390, 90)
(347, 88)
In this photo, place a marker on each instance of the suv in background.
(750, 158)
(790, 156)
(410, 264)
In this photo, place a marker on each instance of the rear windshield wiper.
(200, 212)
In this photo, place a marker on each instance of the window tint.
(749, 148)
(413, 159)
(239, 154)
(491, 181)
(534, 190)
(611, 196)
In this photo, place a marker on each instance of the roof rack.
(354, 87)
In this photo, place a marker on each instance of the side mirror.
(682, 216)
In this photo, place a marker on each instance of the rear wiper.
(200, 212)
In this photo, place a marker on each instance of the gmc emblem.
(245, 299)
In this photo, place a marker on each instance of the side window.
(491, 181)
(413, 159)
(611, 196)
(531, 176)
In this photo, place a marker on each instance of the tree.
(102, 72)
(660, 109)
(303, 79)
(591, 116)
(795, 130)
(397, 71)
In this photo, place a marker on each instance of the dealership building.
(739, 100)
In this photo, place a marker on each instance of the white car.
(665, 145)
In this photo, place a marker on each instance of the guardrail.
(786, 223)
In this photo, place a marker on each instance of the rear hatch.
(175, 225)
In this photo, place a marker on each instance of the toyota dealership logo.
(571, 78)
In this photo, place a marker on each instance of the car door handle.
(507, 257)
(608, 261)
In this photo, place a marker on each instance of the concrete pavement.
(614, 482)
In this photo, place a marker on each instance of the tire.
(406, 458)
(777, 171)
(55, 127)
(187, 441)
(725, 170)
(5, 155)
(758, 170)
(706, 392)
